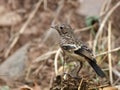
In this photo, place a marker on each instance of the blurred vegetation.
(28, 46)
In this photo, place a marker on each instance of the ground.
(28, 45)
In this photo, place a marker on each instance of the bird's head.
(63, 29)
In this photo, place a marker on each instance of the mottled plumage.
(76, 49)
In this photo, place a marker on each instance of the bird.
(75, 48)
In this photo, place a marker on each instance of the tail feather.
(91, 61)
(96, 68)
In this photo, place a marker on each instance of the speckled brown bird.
(75, 48)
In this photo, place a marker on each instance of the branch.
(103, 24)
(107, 52)
(23, 28)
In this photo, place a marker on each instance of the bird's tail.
(96, 68)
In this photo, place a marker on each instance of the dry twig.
(84, 29)
(23, 28)
(45, 4)
(109, 55)
(107, 52)
(55, 61)
(44, 56)
(103, 24)
(61, 4)
(79, 88)
(57, 13)
(116, 72)
(116, 81)
(105, 7)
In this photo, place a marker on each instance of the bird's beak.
(56, 27)
(52, 27)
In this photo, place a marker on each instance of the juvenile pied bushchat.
(75, 48)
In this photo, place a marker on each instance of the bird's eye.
(61, 27)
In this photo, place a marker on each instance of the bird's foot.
(68, 75)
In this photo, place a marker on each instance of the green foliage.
(90, 20)
(5, 88)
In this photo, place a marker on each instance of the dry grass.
(43, 58)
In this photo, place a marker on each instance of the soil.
(39, 72)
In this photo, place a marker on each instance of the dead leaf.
(25, 87)
(109, 88)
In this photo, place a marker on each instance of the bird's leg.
(64, 61)
(80, 65)
(76, 70)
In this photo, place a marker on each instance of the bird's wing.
(85, 52)
(81, 50)
(68, 47)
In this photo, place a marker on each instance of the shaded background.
(28, 45)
